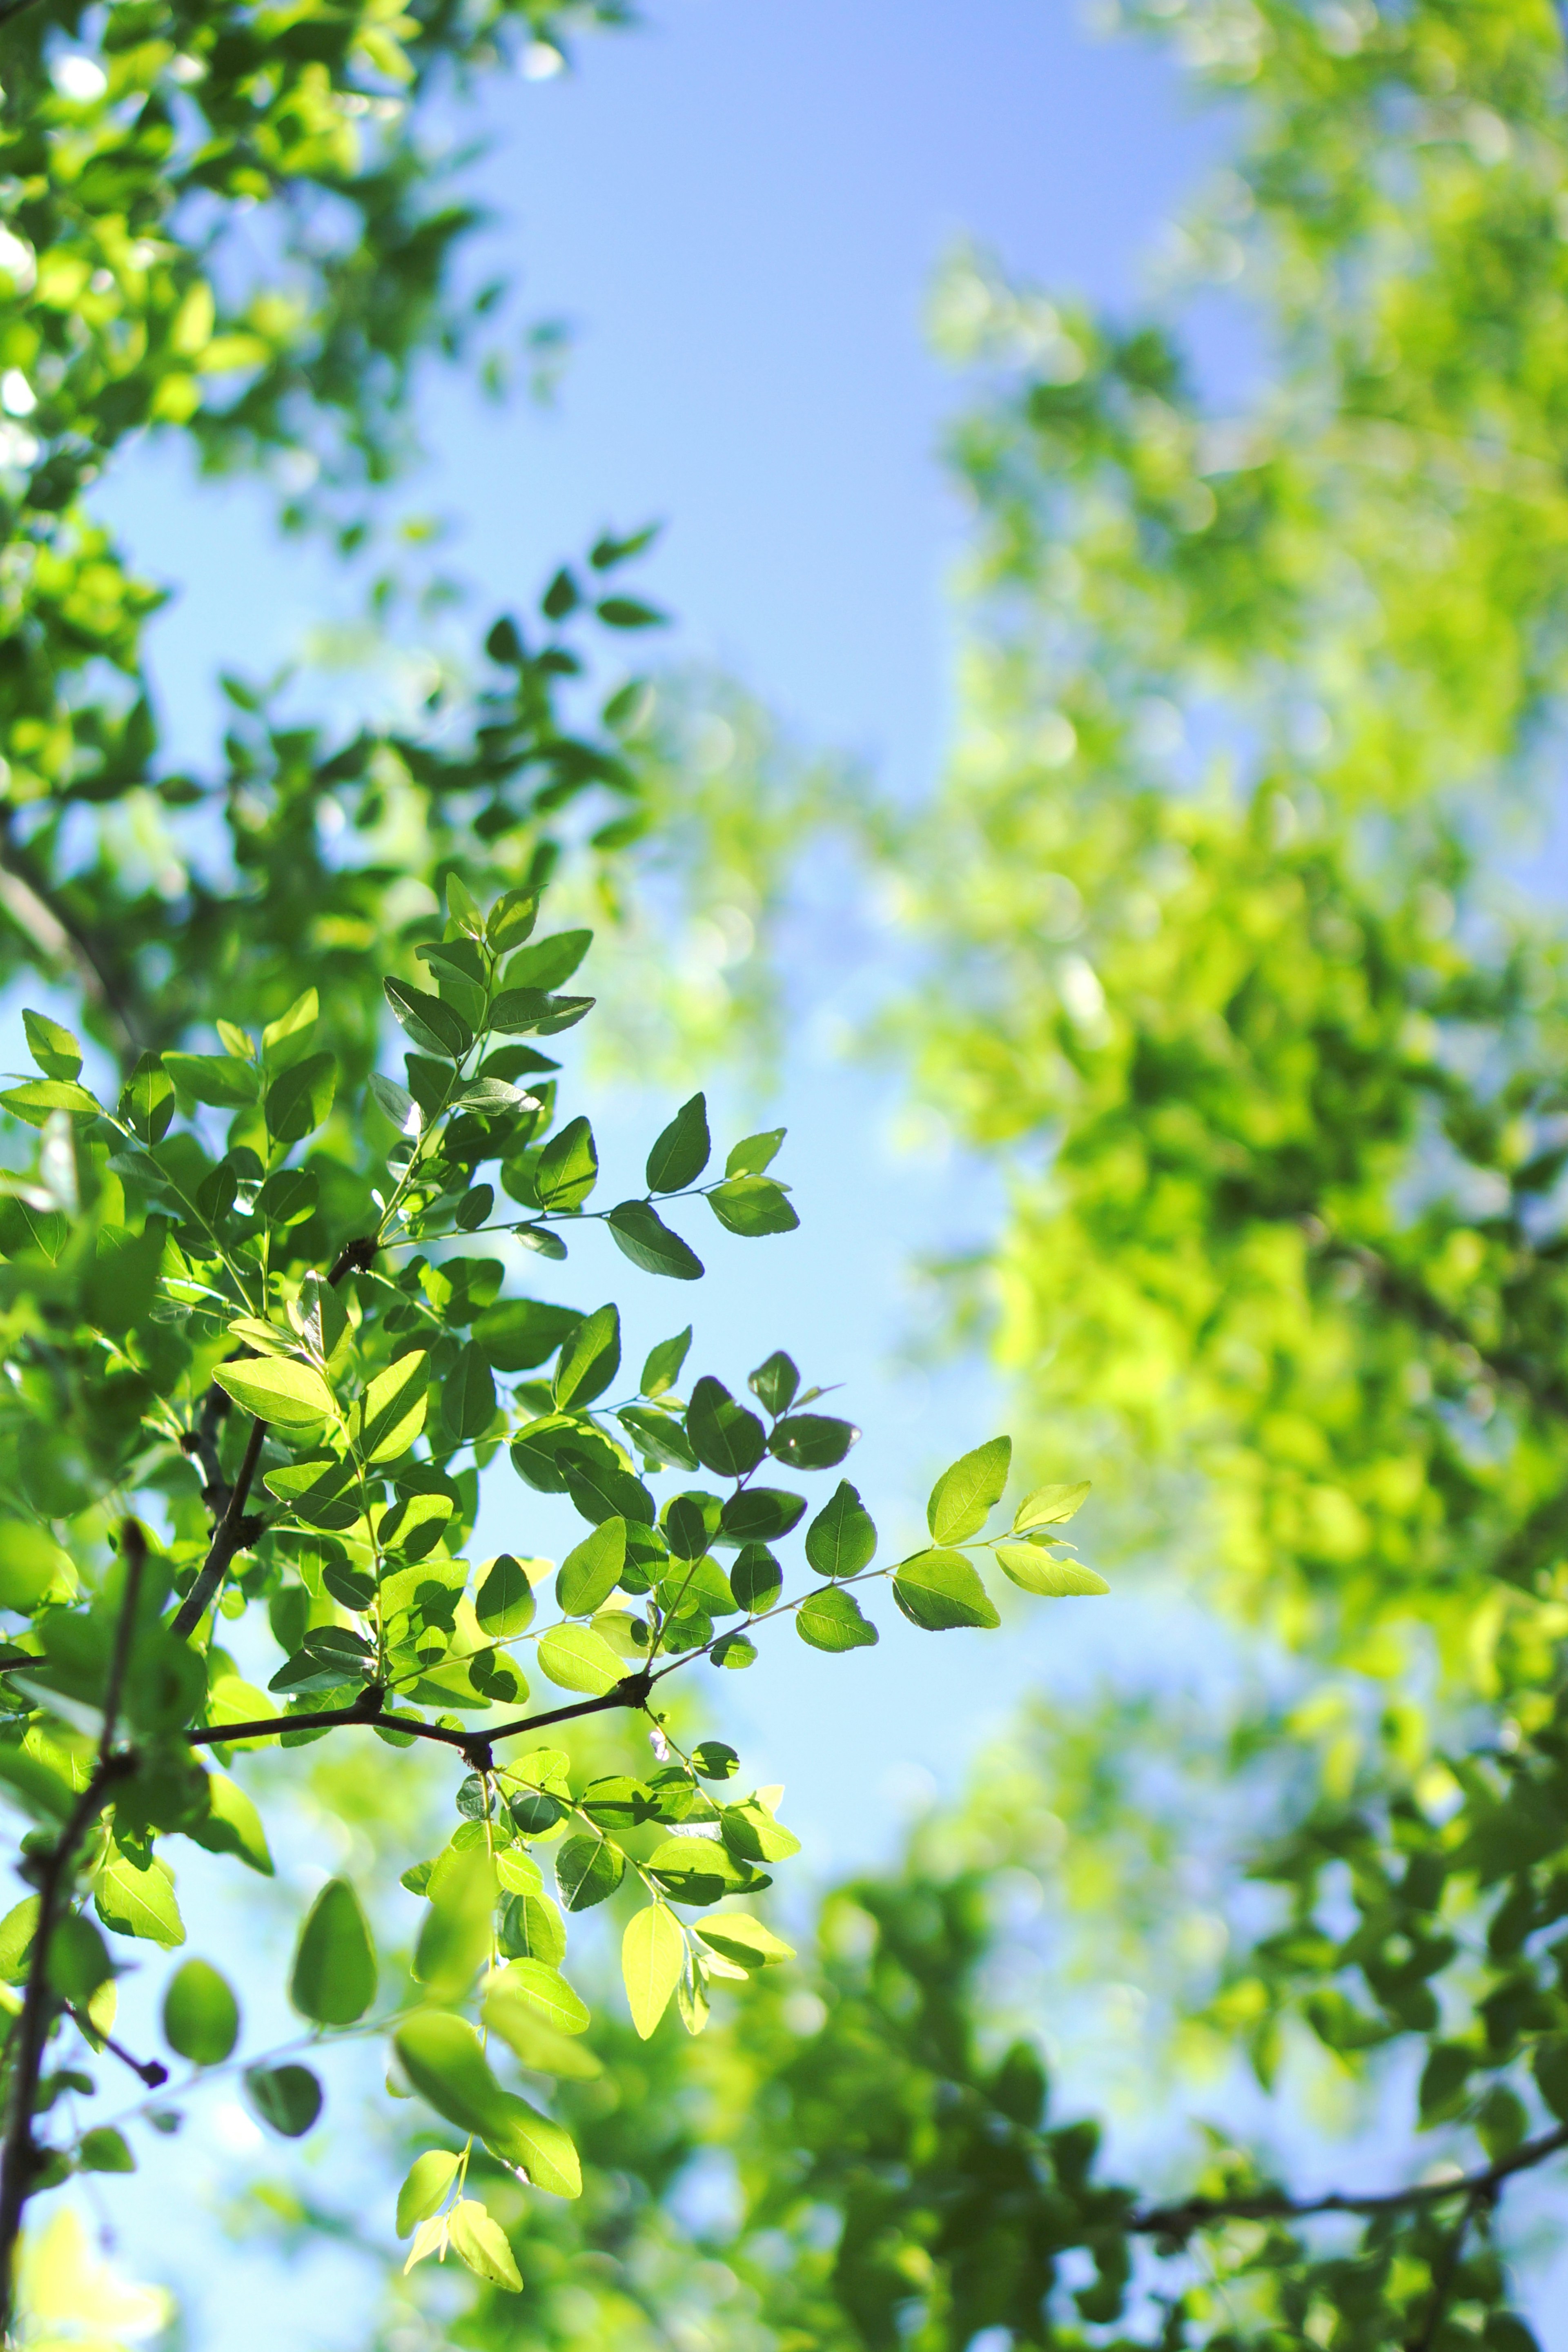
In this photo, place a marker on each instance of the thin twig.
(151, 2070)
(1201, 2213)
(18, 2151)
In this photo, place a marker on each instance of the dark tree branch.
(18, 2149)
(474, 1746)
(233, 1533)
(1478, 2188)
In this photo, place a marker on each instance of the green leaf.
(505, 1604)
(590, 1573)
(288, 2099)
(653, 1953)
(35, 1099)
(147, 1099)
(568, 1166)
(774, 1384)
(455, 1940)
(424, 2191)
(752, 1206)
(512, 919)
(736, 1937)
(940, 1590)
(544, 1992)
(756, 1579)
(57, 1053)
(279, 1389)
(812, 1441)
(841, 1540)
(699, 1871)
(630, 613)
(754, 1152)
(608, 551)
(384, 1421)
(469, 1395)
(518, 1334)
(963, 1498)
(831, 1620)
(578, 1659)
(641, 1235)
(715, 1760)
(724, 1437)
(750, 1830)
(103, 2149)
(397, 1103)
(284, 1040)
(545, 963)
(1038, 1571)
(217, 1079)
(139, 1900)
(561, 597)
(201, 2016)
(760, 1514)
(590, 1359)
(232, 1824)
(660, 1436)
(334, 1977)
(682, 1151)
(662, 1367)
(30, 1561)
(532, 1012)
(587, 1870)
(436, 1028)
(480, 2241)
(289, 1197)
(299, 1101)
(1049, 1507)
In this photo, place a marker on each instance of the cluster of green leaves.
(162, 1267)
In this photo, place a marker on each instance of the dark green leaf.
(630, 613)
(545, 963)
(725, 1437)
(287, 2098)
(590, 1360)
(756, 1579)
(436, 1028)
(587, 1870)
(469, 1395)
(505, 1604)
(299, 1101)
(760, 1514)
(775, 1383)
(812, 1441)
(147, 1101)
(644, 1237)
(568, 1166)
(681, 1152)
(517, 1334)
(222, 1079)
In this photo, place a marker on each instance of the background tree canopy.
(1216, 946)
